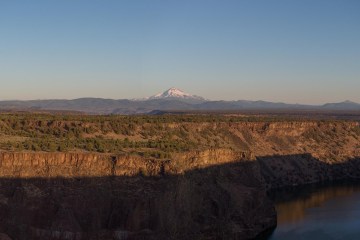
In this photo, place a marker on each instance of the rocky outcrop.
(50, 165)
(70, 165)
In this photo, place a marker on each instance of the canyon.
(208, 192)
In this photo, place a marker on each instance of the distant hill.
(172, 99)
(346, 105)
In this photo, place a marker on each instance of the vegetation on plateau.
(151, 136)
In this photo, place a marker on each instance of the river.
(318, 212)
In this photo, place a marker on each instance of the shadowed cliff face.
(291, 170)
(214, 194)
(154, 201)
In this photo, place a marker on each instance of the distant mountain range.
(172, 99)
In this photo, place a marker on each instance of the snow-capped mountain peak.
(175, 93)
(172, 92)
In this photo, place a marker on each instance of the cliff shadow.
(281, 171)
(225, 201)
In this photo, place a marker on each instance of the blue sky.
(305, 51)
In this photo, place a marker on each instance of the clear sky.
(305, 51)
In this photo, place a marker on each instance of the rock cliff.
(218, 193)
(209, 194)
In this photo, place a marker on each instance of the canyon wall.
(208, 194)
